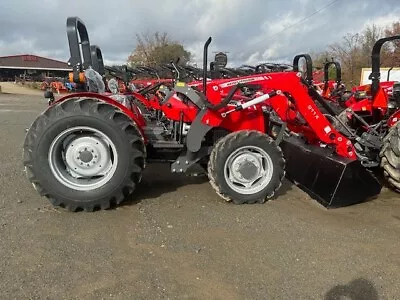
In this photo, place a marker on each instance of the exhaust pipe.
(205, 54)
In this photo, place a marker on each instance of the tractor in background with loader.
(88, 151)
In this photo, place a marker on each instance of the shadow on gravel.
(287, 186)
(358, 289)
(158, 180)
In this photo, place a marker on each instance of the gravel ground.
(177, 240)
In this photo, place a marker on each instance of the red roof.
(33, 62)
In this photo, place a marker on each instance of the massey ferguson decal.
(244, 80)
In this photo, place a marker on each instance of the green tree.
(157, 48)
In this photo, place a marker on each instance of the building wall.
(394, 75)
(31, 67)
(35, 75)
(31, 62)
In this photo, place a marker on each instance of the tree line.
(353, 51)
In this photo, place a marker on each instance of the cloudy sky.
(250, 30)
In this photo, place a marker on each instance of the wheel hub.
(83, 158)
(87, 156)
(248, 170)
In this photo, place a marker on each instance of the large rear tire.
(142, 108)
(84, 154)
(390, 157)
(246, 167)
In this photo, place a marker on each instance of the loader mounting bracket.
(197, 132)
(187, 160)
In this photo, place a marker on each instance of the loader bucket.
(332, 180)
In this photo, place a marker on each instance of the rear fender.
(394, 119)
(141, 98)
(135, 116)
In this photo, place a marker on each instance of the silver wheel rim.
(248, 170)
(82, 158)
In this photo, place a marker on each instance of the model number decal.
(314, 113)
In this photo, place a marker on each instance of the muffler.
(332, 180)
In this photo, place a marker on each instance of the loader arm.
(333, 180)
(302, 96)
(298, 99)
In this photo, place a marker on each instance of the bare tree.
(391, 53)
(156, 48)
(349, 54)
(354, 51)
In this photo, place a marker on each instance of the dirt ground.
(177, 240)
(16, 89)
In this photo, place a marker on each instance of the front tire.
(246, 167)
(84, 154)
(390, 157)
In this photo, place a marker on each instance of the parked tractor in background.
(88, 150)
(373, 120)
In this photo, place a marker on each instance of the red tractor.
(333, 90)
(373, 121)
(88, 150)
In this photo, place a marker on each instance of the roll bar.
(307, 57)
(78, 39)
(338, 73)
(375, 75)
(97, 59)
(338, 70)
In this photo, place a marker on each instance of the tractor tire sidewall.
(248, 139)
(45, 176)
(390, 157)
(143, 109)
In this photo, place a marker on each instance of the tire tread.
(228, 142)
(390, 157)
(88, 107)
